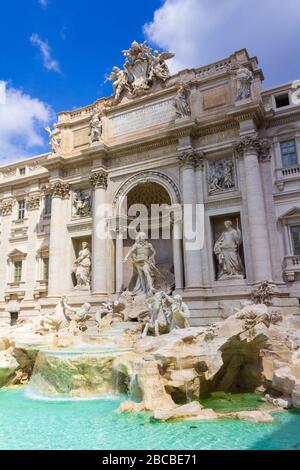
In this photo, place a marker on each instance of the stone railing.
(290, 172)
(291, 266)
(283, 175)
(213, 69)
(77, 114)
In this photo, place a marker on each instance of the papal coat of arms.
(141, 69)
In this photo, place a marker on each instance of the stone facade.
(208, 136)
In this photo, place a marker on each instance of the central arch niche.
(146, 194)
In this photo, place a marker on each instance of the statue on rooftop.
(96, 127)
(244, 78)
(181, 103)
(55, 138)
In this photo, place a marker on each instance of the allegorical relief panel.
(82, 203)
(221, 176)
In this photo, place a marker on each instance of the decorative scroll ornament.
(99, 179)
(33, 202)
(7, 207)
(140, 71)
(261, 146)
(59, 189)
(191, 157)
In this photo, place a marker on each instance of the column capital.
(33, 201)
(59, 189)
(6, 206)
(99, 179)
(261, 147)
(191, 157)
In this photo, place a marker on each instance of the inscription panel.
(81, 137)
(149, 115)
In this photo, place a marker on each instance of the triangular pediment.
(44, 249)
(291, 213)
(17, 254)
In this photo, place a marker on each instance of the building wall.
(143, 140)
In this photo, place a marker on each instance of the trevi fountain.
(145, 343)
(138, 366)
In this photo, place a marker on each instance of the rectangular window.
(288, 153)
(17, 271)
(282, 100)
(21, 209)
(45, 272)
(295, 231)
(22, 171)
(47, 204)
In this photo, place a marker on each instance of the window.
(45, 266)
(289, 153)
(282, 100)
(17, 271)
(22, 171)
(14, 316)
(295, 231)
(47, 204)
(21, 209)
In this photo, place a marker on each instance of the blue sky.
(55, 54)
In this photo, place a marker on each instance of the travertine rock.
(8, 366)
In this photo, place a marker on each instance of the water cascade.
(82, 371)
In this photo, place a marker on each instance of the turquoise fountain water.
(95, 425)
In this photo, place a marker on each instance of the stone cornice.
(253, 110)
(191, 157)
(59, 189)
(261, 147)
(99, 179)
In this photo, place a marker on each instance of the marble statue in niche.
(96, 127)
(82, 203)
(82, 267)
(221, 176)
(226, 250)
(142, 256)
(55, 138)
(181, 103)
(244, 78)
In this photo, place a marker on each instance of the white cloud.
(202, 31)
(44, 48)
(22, 122)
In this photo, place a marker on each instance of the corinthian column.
(60, 192)
(99, 243)
(254, 149)
(189, 160)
